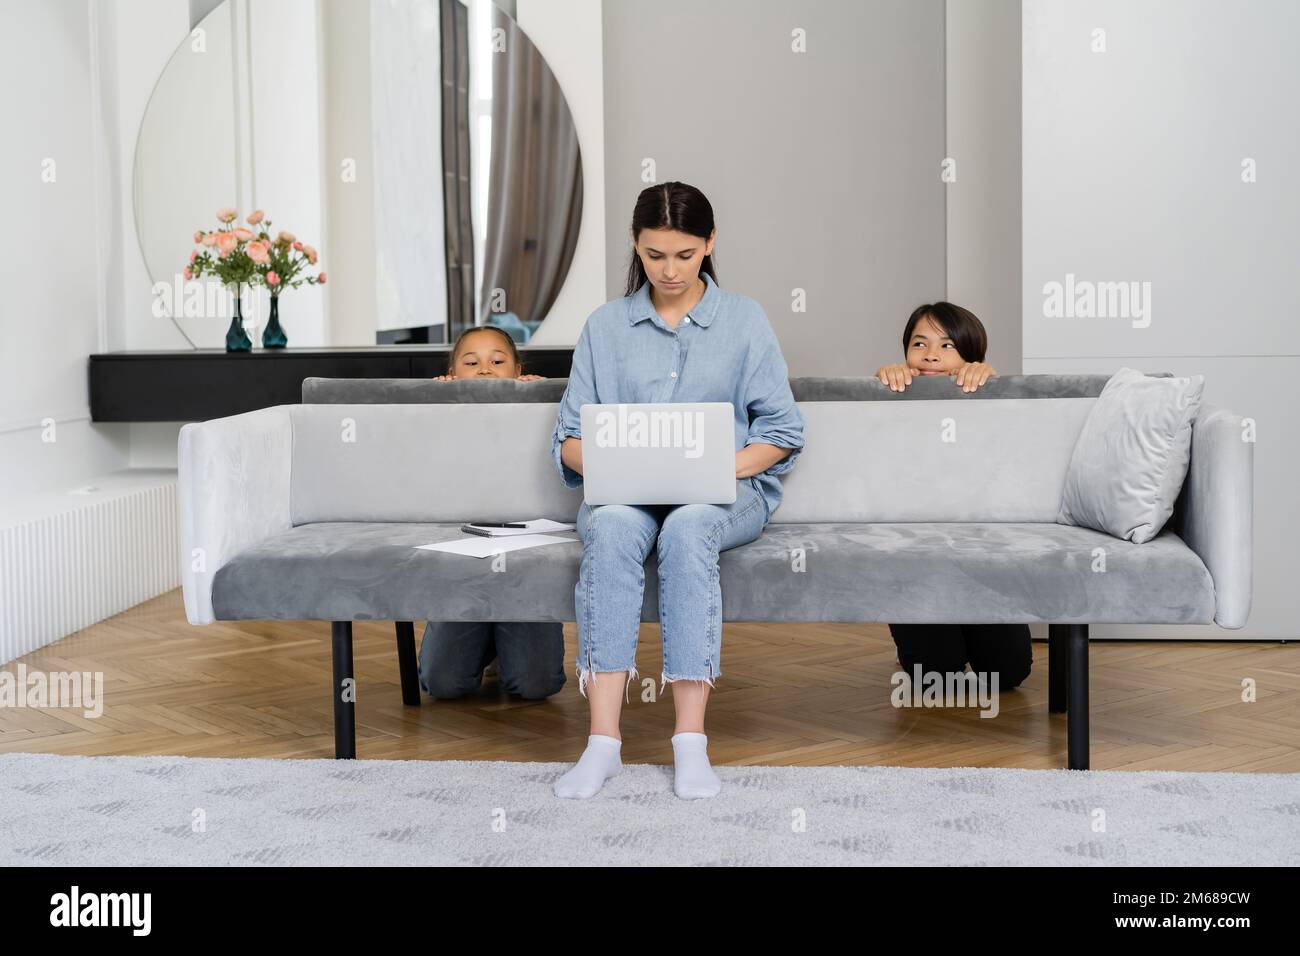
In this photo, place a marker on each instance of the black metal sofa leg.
(1058, 636)
(1077, 714)
(406, 663)
(345, 692)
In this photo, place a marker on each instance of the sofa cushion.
(932, 461)
(1131, 455)
(863, 461)
(905, 573)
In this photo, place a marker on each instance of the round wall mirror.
(423, 147)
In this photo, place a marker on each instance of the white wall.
(982, 114)
(1133, 172)
(821, 162)
(52, 255)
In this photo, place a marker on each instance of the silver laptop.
(659, 453)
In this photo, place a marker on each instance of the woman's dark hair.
(509, 347)
(960, 325)
(677, 206)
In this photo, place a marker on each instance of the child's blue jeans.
(453, 655)
(616, 541)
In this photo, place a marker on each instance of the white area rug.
(87, 811)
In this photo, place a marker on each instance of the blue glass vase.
(237, 339)
(273, 336)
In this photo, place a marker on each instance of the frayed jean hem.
(586, 674)
(665, 678)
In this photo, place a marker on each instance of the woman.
(944, 339)
(676, 336)
(455, 656)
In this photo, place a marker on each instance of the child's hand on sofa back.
(974, 374)
(897, 376)
(518, 378)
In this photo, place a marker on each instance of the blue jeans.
(616, 540)
(454, 653)
(1003, 649)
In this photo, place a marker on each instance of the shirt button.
(674, 374)
(687, 320)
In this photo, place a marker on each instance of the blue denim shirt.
(723, 350)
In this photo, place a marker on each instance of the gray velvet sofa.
(313, 512)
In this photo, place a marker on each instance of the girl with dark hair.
(944, 339)
(526, 656)
(941, 339)
(676, 336)
(485, 351)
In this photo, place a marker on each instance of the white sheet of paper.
(476, 546)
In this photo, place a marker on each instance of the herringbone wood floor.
(808, 694)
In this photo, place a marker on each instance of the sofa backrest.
(348, 391)
(454, 451)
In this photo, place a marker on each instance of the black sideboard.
(194, 385)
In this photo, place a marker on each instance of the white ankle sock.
(693, 777)
(598, 763)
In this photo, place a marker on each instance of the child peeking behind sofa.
(944, 339)
(454, 655)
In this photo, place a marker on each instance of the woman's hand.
(530, 378)
(897, 376)
(973, 374)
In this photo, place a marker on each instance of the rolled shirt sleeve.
(579, 391)
(774, 417)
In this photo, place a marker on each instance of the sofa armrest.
(233, 488)
(1218, 510)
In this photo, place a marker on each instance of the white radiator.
(71, 559)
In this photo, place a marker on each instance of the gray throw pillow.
(1131, 458)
